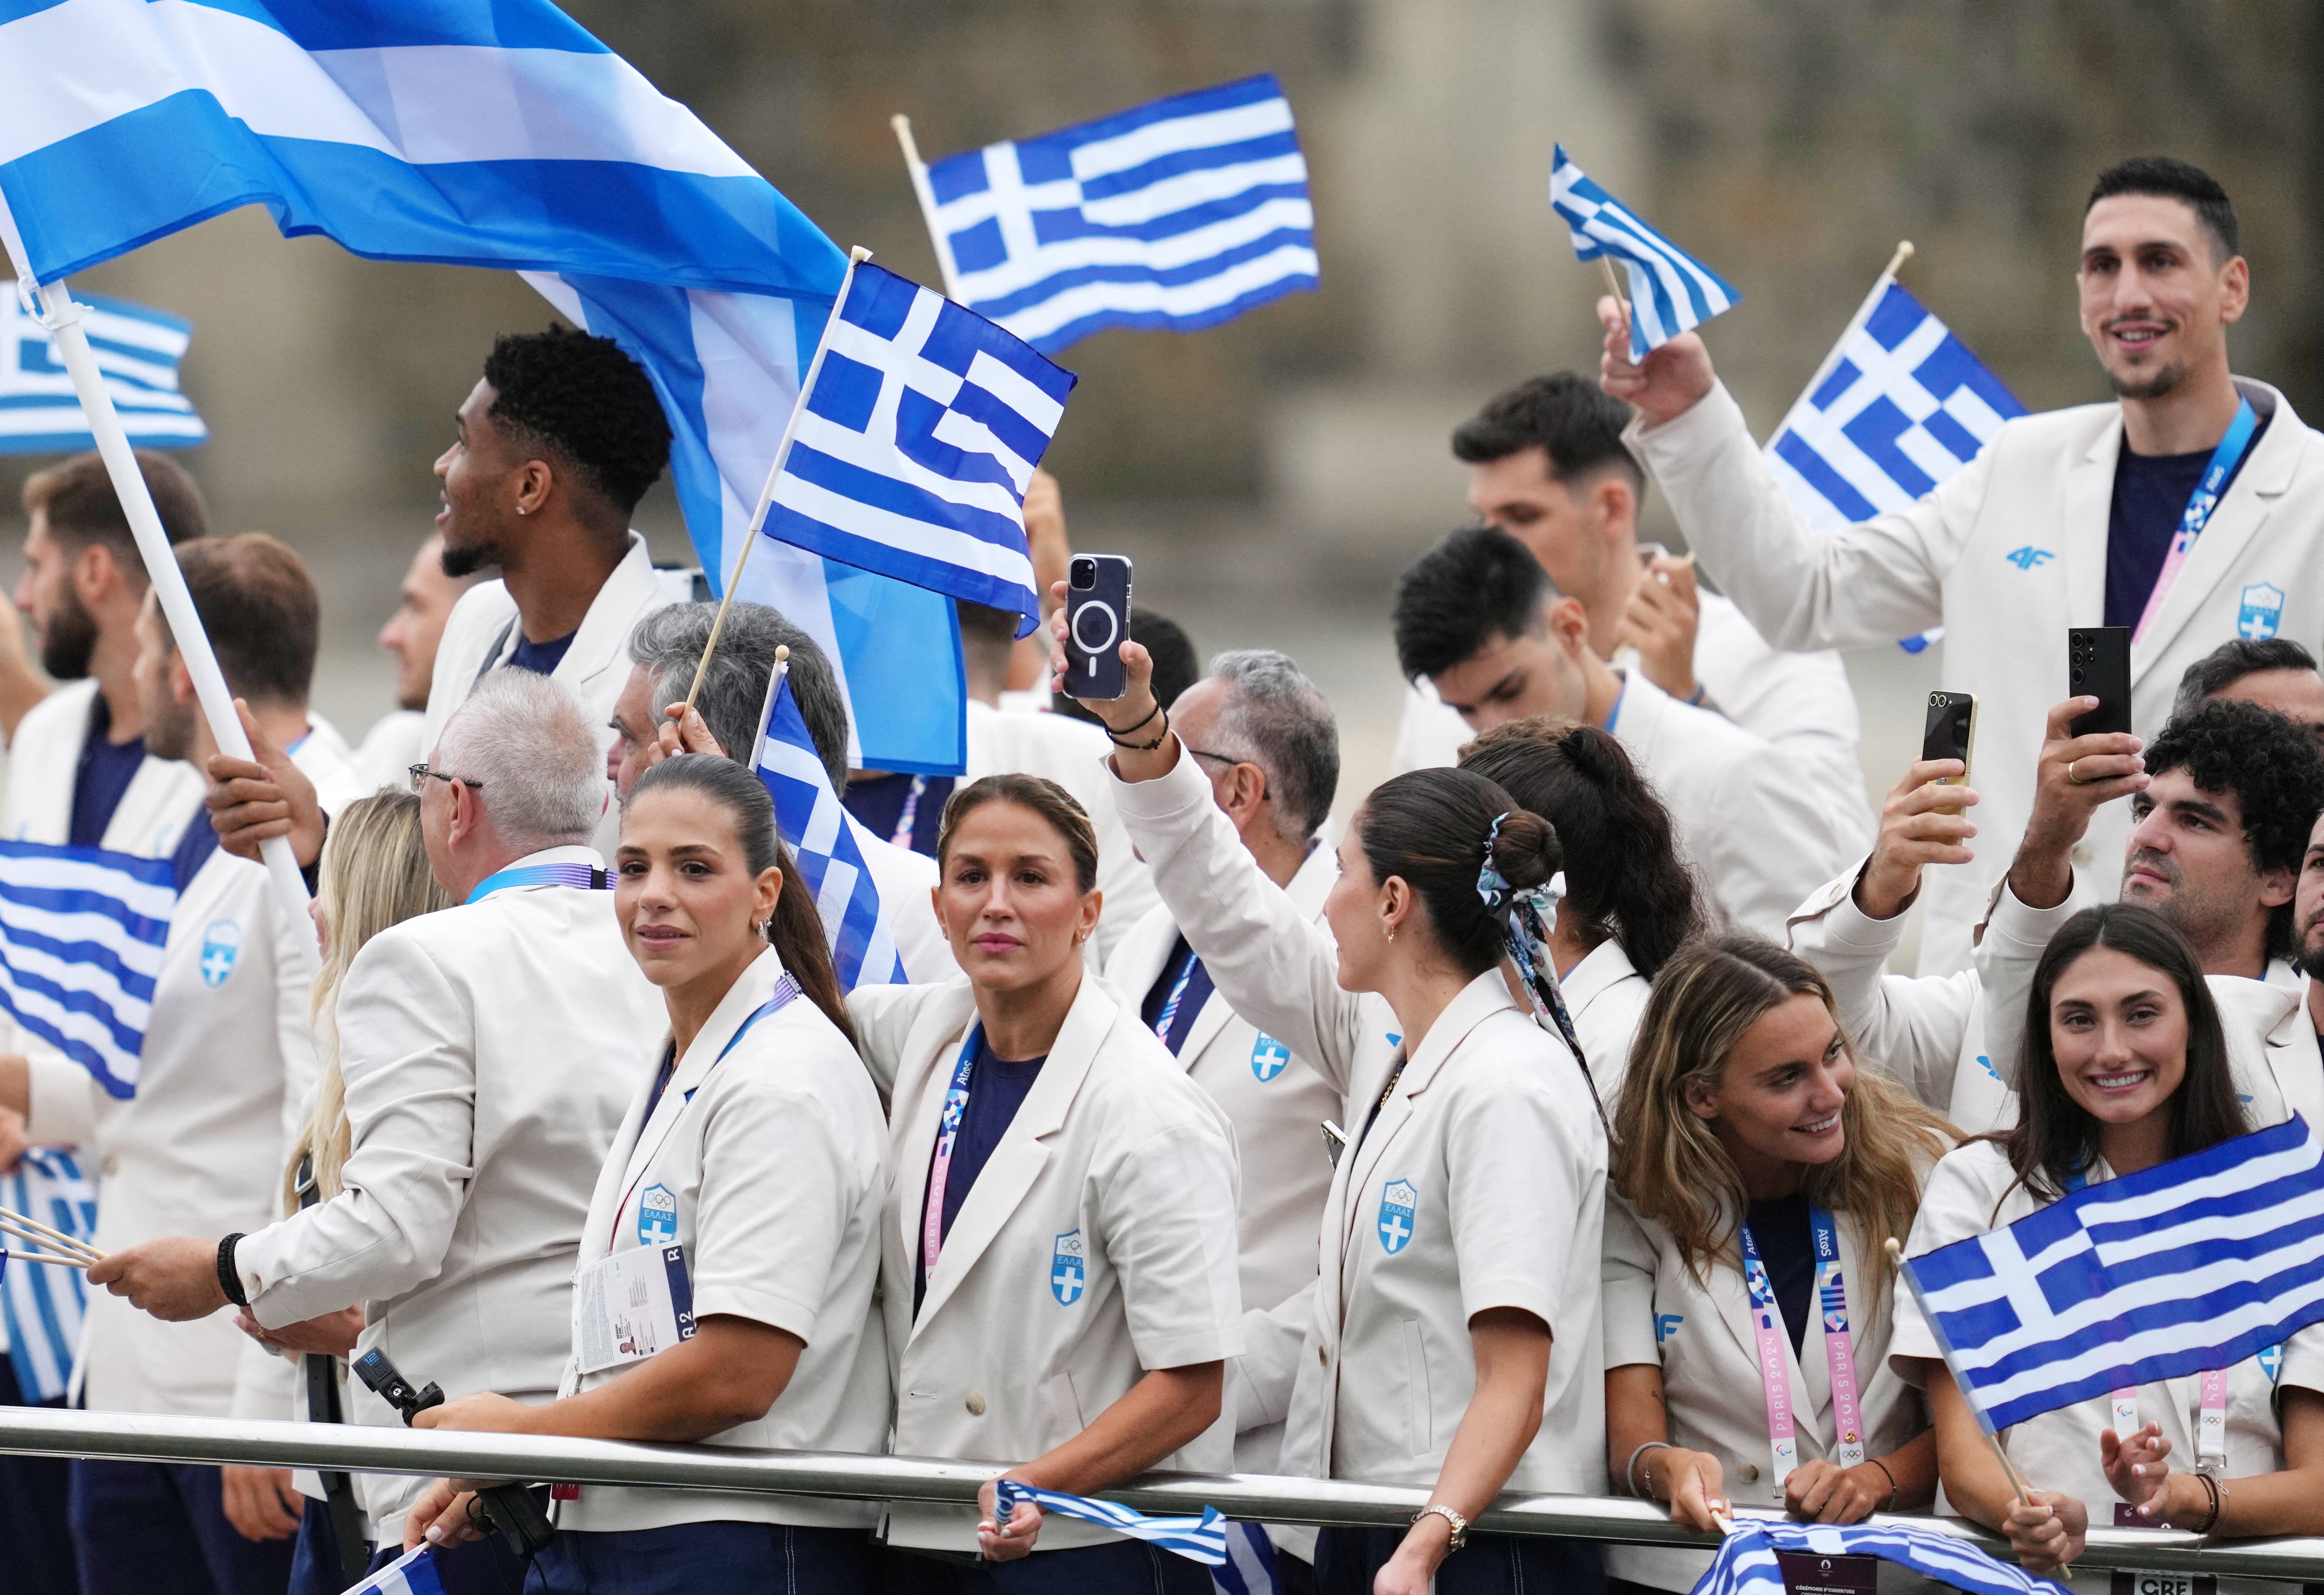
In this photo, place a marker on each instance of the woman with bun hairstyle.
(1757, 1172)
(1453, 1337)
(1629, 901)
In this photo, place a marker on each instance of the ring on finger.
(2070, 775)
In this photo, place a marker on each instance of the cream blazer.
(2005, 555)
(1097, 1244)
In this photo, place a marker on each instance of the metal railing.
(1252, 1497)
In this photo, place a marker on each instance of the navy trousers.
(33, 1493)
(157, 1529)
(1347, 1559)
(699, 1558)
(1125, 1567)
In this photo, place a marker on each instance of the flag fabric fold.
(411, 1573)
(2193, 1264)
(81, 936)
(138, 350)
(1198, 1539)
(1181, 213)
(1748, 1563)
(1671, 291)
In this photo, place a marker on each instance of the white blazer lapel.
(1205, 1029)
(742, 999)
(601, 641)
(613, 1180)
(2235, 522)
(2086, 501)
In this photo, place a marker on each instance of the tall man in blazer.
(2067, 519)
(491, 1051)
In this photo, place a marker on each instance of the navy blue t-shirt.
(194, 849)
(877, 802)
(102, 777)
(997, 1088)
(2150, 495)
(1199, 987)
(1786, 1242)
(541, 657)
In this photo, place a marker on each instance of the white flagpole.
(927, 198)
(855, 257)
(62, 316)
(1895, 1249)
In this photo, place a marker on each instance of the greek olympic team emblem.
(1269, 1057)
(657, 1216)
(221, 946)
(1398, 1201)
(1066, 1272)
(2260, 613)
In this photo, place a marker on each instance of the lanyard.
(786, 989)
(909, 815)
(1177, 990)
(1839, 1349)
(583, 877)
(955, 1108)
(2199, 505)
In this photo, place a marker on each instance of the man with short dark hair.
(1547, 465)
(1478, 619)
(2067, 519)
(2276, 674)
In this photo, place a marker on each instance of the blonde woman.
(374, 874)
(1757, 1169)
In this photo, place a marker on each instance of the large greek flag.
(2195, 1264)
(480, 132)
(81, 934)
(1671, 291)
(1182, 213)
(822, 841)
(41, 1306)
(919, 437)
(1748, 1559)
(137, 349)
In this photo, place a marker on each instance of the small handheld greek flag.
(1747, 1562)
(411, 1573)
(1198, 1539)
(81, 936)
(916, 443)
(43, 1306)
(137, 349)
(855, 922)
(2197, 1263)
(1181, 213)
(1671, 291)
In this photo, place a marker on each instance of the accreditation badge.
(631, 1306)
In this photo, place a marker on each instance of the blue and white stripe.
(855, 922)
(1671, 291)
(81, 934)
(915, 448)
(479, 133)
(1181, 212)
(1249, 1566)
(138, 350)
(411, 1573)
(1198, 1539)
(1746, 1563)
(2198, 1263)
(43, 1307)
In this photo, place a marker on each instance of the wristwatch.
(1460, 1523)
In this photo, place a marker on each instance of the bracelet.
(1701, 691)
(1460, 1523)
(1159, 737)
(1889, 1505)
(2219, 1495)
(1630, 1469)
(228, 1280)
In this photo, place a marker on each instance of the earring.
(1391, 932)
(520, 509)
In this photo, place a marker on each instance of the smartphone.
(1950, 732)
(2097, 665)
(1097, 623)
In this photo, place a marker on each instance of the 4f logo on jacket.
(1397, 1200)
(1065, 1268)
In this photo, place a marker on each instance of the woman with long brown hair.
(1757, 1174)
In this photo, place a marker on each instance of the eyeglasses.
(1230, 761)
(422, 774)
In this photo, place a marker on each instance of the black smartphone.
(1950, 732)
(1097, 623)
(2097, 665)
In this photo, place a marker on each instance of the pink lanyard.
(2210, 1417)
(2199, 505)
(955, 1108)
(1838, 1350)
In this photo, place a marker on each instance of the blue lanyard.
(584, 877)
(909, 815)
(2225, 458)
(1830, 1286)
(786, 989)
(1177, 990)
(955, 1109)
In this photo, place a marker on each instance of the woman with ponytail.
(1453, 1337)
(754, 1149)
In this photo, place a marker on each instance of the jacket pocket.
(1417, 1411)
(1061, 1403)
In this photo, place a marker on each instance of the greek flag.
(2198, 1263)
(918, 439)
(41, 1305)
(1198, 1539)
(137, 348)
(411, 1573)
(1249, 1566)
(81, 933)
(1671, 291)
(1897, 408)
(823, 842)
(477, 132)
(1747, 1562)
(1182, 213)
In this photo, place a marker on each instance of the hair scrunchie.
(1524, 919)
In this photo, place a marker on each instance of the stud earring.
(520, 509)
(1391, 932)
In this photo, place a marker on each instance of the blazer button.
(1324, 1357)
(1749, 1471)
(976, 1403)
(113, 1166)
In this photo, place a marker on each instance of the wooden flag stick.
(1896, 262)
(855, 257)
(33, 1230)
(41, 1257)
(2016, 1480)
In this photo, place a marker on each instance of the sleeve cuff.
(1526, 1294)
(760, 1306)
(1848, 926)
(2028, 930)
(1189, 1347)
(62, 1099)
(1705, 423)
(1167, 797)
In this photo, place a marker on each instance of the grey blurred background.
(1270, 477)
